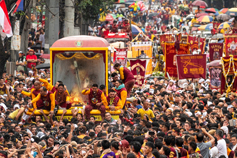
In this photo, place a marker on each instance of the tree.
(90, 9)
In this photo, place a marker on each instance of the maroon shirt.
(95, 97)
(127, 75)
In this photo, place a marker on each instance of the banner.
(193, 41)
(138, 69)
(228, 77)
(143, 50)
(120, 56)
(170, 57)
(191, 66)
(215, 50)
(230, 45)
(215, 77)
(166, 38)
(216, 24)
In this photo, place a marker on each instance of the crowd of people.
(161, 119)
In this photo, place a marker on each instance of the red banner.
(138, 69)
(216, 51)
(231, 45)
(216, 24)
(165, 38)
(194, 43)
(120, 56)
(230, 76)
(191, 66)
(170, 57)
(215, 77)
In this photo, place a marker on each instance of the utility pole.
(51, 23)
(69, 18)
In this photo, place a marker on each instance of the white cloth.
(222, 149)
(214, 152)
(234, 147)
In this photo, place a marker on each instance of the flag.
(194, 43)
(215, 77)
(19, 6)
(4, 20)
(230, 45)
(215, 50)
(143, 50)
(170, 57)
(138, 69)
(191, 66)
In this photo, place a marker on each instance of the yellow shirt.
(14, 114)
(81, 136)
(194, 21)
(147, 112)
(152, 37)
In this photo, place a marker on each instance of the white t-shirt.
(222, 149)
(214, 152)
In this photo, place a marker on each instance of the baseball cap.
(124, 143)
(20, 52)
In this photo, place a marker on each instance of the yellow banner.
(136, 51)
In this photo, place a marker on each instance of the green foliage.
(90, 9)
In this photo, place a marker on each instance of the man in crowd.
(126, 76)
(97, 100)
(31, 59)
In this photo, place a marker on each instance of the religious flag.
(228, 78)
(194, 41)
(215, 77)
(166, 38)
(191, 66)
(170, 57)
(5, 24)
(215, 50)
(19, 6)
(120, 56)
(143, 50)
(138, 69)
(230, 45)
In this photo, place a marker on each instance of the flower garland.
(231, 61)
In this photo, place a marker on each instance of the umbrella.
(232, 19)
(218, 13)
(223, 17)
(43, 66)
(211, 10)
(199, 3)
(135, 30)
(190, 17)
(201, 14)
(224, 10)
(152, 14)
(207, 27)
(205, 19)
(232, 12)
(224, 25)
(214, 63)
